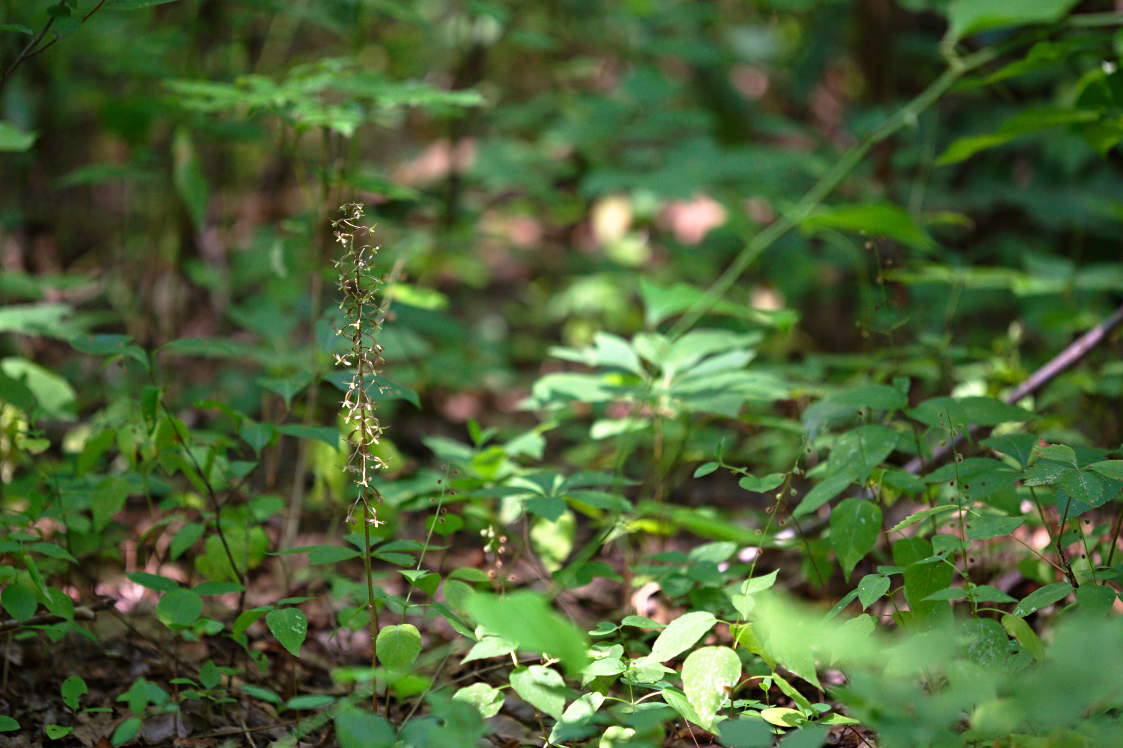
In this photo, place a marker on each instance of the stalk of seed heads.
(359, 285)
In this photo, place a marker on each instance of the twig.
(32, 48)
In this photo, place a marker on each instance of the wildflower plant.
(364, 311)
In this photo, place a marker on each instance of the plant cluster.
(748, 386)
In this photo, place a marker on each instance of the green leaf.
(57, 732)
(184, 538)
(19, 28)
(872, 588)
(486, 699)
(53, 393)
(1018, 446)
(286, 387)
(525, 619)
(355, 728)
(745, 733)
(680, 635)
(14, 139)
(855, 525)
(1041, 598)
(992, 526)
(126, 731)
(108, 499)
(922, 515)
(180, 607)
(72, 689)
(761, 485)
(822, 492)
(951, 413)
(876, 219)
(705, 469)
(309, 701)
(153, 581)
(708, 674)
(19, 601)
(264, 694)
(187, 175)
(1017, 627)
(972, 16)
(1112, 469)
(290, 626)
(542, 688)
(1083, 485)
(397, 647)
(7, 724)
(52, 550)
(110, 345)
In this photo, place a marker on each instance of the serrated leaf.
(397, 647)
(707, 676)
(290, 626)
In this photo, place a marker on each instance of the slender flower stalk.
(359, 285)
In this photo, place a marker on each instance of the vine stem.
(903, 117)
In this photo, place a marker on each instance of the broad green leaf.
(1112, 469)
(108, 499)
(153, 581)
(1041, 598)
(110, 345)
(286, 387)
(948, 413)
(873, 219)
(19, 601)
(923, 577)
(968, 17)
(55, 395)
(708, 674)
(397, 647)
(526, 620)
(355, 728)
(1083, 485)
(13, 138)
(761, 485)
(180, 607)
(541, 687)
(290, 626)
(1018, 446)
(782, 716)
(126, 731)
(7, 724)
(823, 492)
(184, 538)
(872, 588)
(680, 635)
(855, 525)
(487, 699)
(552, 540)
(72, 689)
(745, 732)
(992, 526)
